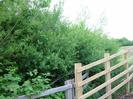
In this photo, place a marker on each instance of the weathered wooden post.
(127, 75)
(108, 75)
(78, 78)
(70, 92)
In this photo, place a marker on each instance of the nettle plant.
(10, 83)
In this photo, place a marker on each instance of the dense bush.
(37, 48)
(125, 42)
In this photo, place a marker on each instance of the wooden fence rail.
(73, 88)
(79, 82)
(68, 88)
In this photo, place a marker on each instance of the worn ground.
(129, 95)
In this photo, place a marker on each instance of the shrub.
(37, 48)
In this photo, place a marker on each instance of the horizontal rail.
(51, 91)
(103, 85)
(103, 60)
(118, 54)
(92, 78)
(118, 65)
(85, 75)
(93, 64)
(47, 92)
(101, 74)
(116, 88)
(131, 68)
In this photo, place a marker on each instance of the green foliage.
(9, 82)
(59, 95)
(125, 42)
(37, 48)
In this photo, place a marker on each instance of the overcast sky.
(117, 14)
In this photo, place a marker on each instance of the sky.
(115, 15)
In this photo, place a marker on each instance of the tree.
(38, 48)
(125, 42)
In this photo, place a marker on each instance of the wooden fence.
(68, 88)
(74, 88)
(79, 82)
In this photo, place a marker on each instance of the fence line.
(47, 92)
(107, 72)
(73, 88)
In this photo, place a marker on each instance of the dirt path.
(128, 96)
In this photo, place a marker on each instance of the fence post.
(78, 78)
(70, 92)
(108, 75)
(127, 75)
